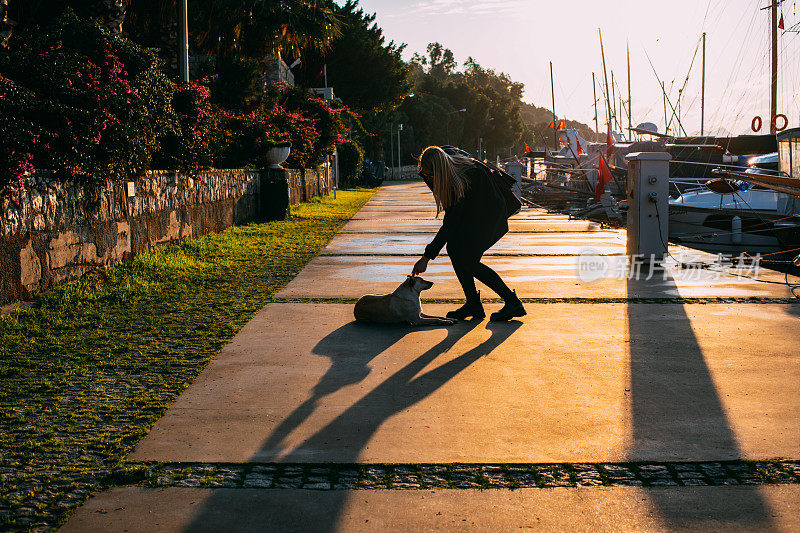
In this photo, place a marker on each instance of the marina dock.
(654, 403)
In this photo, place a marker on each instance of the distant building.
(325, 92)
(277, 71)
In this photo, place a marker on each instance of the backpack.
(502, 180)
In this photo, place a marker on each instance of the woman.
(475, 217)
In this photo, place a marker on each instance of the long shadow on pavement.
(351, 348)
(677, 414)
(397, 393)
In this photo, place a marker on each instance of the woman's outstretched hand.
(420, 266)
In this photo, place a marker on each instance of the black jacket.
(473, 224)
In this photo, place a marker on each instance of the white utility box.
(647, 191)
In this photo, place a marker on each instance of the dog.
(402, 305)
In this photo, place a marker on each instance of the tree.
(491, 102)
(439, 61)
(538, 119)
(18, 14)
(6, 24)
(263, 28)
(426, 119)
(366, 72)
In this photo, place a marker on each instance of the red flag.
(562, 125)
(321, 72)
(528, 148)
(780, 22)
(603, 177)
(579, 147)
(550, 125)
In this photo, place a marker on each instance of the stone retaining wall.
(305, 184)
(60, 233)
(406, 172)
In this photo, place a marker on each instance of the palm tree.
(6, 24)
(113, 14)
(263, 28)
(153, 23)
(24, 13)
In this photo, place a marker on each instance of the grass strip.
(94, 363)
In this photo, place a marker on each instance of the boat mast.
(703, 90)
(614, 98)
(594, 92)
(664, 93)
(630, 111)
(605, 78)
(773, 93)
(553, 95)
(621, 110)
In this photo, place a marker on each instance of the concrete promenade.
(686, 374)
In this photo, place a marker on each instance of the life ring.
(753, 124)
(775, 122)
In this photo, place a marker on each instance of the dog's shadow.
(350, 349)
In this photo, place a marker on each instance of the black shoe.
(472, 309)
(513, 307)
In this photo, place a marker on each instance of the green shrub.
(91, 106)
(311, 125)
(351, 161)
(243, 139)
(332, 120)
(189, 146)
(82, 102)
(321, 115)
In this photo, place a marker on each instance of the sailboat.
(752, 211)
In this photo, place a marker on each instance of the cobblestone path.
(460, 476)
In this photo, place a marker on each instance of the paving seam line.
(575, 300)
(490, 254)
(349, 476)
(511, 232)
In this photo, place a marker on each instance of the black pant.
(468, 268)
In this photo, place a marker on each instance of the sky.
(522, 37)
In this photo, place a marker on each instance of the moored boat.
(755, 211)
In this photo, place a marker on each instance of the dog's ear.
(422, 284)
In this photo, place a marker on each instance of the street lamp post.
(391, 137)
(391, 145)
(480, 143)
(399, 163)
(447, 122)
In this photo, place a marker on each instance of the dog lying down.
(402, 305)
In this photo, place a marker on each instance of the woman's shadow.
(351, 348)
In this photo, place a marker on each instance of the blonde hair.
(449, 182)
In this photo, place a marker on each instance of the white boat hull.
(704, 220)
